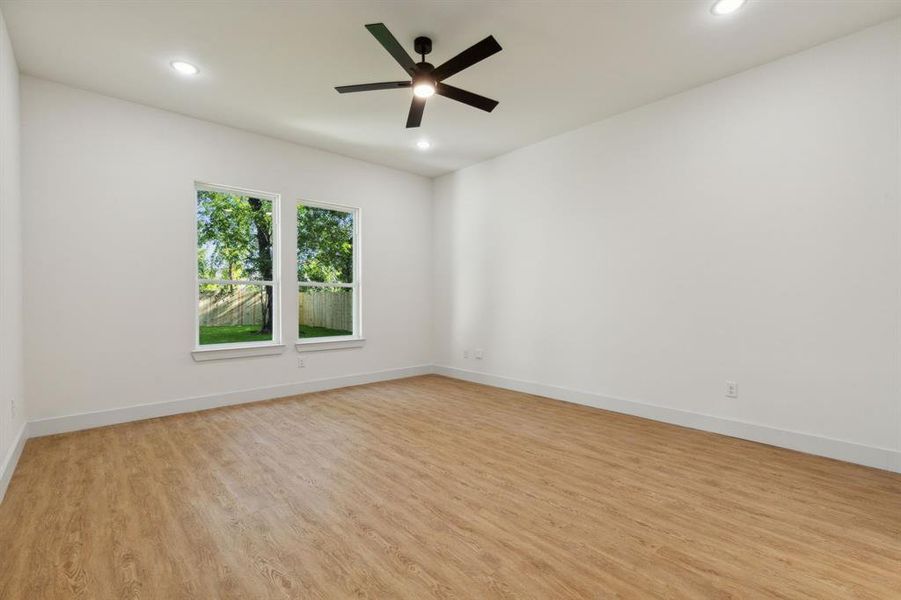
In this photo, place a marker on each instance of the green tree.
(324, 245)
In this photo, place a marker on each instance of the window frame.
(336, 342)
(240, 349)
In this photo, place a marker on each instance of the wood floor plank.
(434, 488)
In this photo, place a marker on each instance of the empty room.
(450, 299)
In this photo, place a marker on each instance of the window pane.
(325, 312)
(324, 245)
(232, 314)
(234, 237)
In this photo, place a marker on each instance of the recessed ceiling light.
(185, 68)
(423, 144)
(726, 7)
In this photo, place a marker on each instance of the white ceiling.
(270, 66)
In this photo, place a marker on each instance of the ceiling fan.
(427, 79)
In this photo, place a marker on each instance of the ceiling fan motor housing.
(423, 76)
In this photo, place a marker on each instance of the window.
(328, 295)
(237, 268)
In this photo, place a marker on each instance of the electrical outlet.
(731, 389)
(480, 354)
(301, 362)
(466, 354)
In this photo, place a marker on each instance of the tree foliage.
(324, 245)
(229, 230)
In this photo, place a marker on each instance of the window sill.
(318, 344)
(225, 351)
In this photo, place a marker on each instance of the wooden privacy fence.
(244, 306)
(323, 308)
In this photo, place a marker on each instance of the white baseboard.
(139, 412)
(880, 458)
(12, 459)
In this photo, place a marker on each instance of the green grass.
(309, 331)
(236, 334)
(232, 334)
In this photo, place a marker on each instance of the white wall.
(746, 230)
(11, 363)
(110, 252)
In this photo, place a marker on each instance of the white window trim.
(346, 341)
(329, 343)
(244, 349)
(223, 351)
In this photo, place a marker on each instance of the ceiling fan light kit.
(426, 79)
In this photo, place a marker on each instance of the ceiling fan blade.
(367, 87)
(416, 109)
(467, 58)
(390, 43)
(474, 100)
